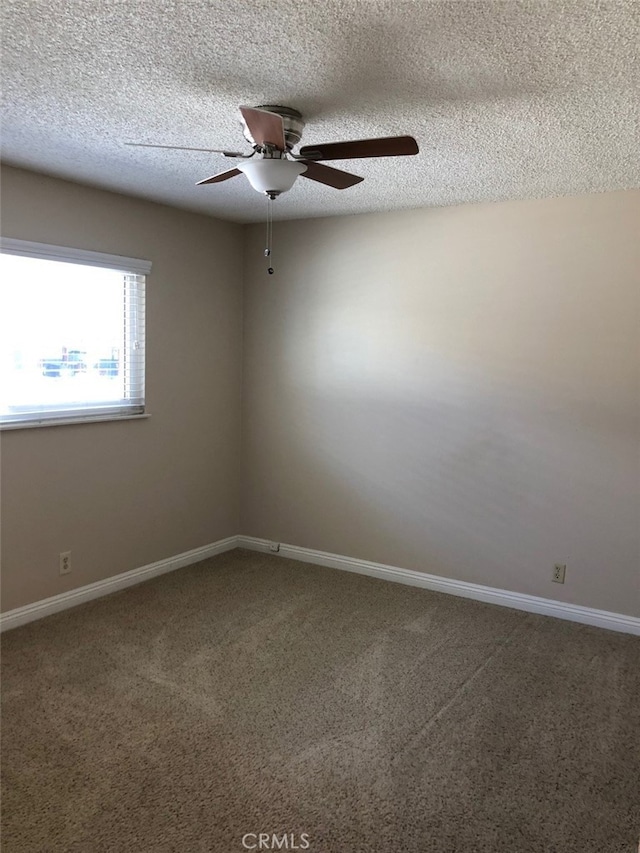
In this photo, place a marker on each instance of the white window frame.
(90, 412)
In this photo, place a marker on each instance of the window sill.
(74, 421)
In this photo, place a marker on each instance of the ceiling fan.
(273, 131)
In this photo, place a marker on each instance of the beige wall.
(121, 495)
(454, 391)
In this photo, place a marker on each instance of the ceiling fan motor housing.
(291, 119)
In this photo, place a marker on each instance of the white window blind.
(72, 335)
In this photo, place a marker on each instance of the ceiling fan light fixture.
(272, 176)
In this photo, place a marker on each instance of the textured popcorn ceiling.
(506, 99)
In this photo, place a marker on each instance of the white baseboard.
(517, 600)
(39, 609)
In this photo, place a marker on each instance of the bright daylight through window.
(71, 335)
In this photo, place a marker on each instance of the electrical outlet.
(275, 547)
(558, 572)
(65, 562)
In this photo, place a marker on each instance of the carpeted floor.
(252, 694)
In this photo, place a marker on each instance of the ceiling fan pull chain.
(267, 251)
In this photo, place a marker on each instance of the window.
(71, 335)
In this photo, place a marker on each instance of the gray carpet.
(251, 694)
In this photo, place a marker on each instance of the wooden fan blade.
(331, 177)
(389, 146)
(265, 127)
(221, 176)
(183, 148)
